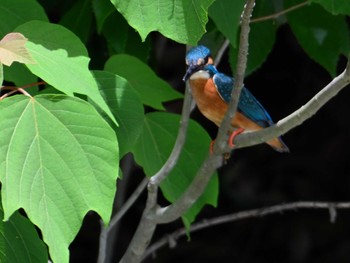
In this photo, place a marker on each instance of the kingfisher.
(212, 92)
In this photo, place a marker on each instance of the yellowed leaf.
(12, 48)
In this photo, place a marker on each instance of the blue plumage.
(247, 104)
(196, 54)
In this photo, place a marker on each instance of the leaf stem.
(276, 15)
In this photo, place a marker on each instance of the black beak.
(190, 70)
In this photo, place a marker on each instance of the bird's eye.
(200, 62)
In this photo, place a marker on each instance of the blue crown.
(197, 53)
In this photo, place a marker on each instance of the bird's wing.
(252, 108)
(248, 104)
(223, 85)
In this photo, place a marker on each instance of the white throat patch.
(202, 74)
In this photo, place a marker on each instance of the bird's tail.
(278, 145)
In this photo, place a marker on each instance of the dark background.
(317, 169)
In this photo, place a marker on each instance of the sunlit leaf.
(183, 21)
(62, 60)
(59, 160)
(126, 107)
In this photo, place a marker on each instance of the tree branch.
(299, 116)
(260, 212)
(276, 15)
(147, 225)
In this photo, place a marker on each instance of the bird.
(212, 91)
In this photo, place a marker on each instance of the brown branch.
(299, 116)
(14, 89)
(148, 223)
(226, 43)
(255, 213)
(276, 15)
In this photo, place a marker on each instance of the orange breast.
(208, 100)
(213, 107)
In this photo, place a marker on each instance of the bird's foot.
(233, 135)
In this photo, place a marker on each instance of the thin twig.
(260, 212)
(179, 143)
(255, 20)
(276, 15)
(14, 89)
(221, 52)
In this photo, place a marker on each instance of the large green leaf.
(59, 159)
(62, 60)
(227, 16)
(323, 36)
(154, 146)
(102, 10)
(14, 13)
(152, 90)
(19, 241)
(262, 38)
(335, 6)
(126, 107)
(183, 21)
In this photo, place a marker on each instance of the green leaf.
(323, 36)
(126, 107)
(12, 48)
(152, 90)
(183, 21)
(79, 19)
(154, 146)
(262, 38)
(227, 16)
(19, 241)
(102, 10)
(18, 12)
(336, 7)
(19, 74)
(59, 160)
(125, 39)
(62, 60)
